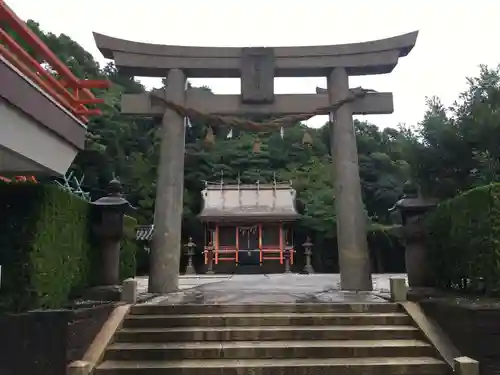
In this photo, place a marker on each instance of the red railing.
(68, 90)
(19, 179)
(265, 253)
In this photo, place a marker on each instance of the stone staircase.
(301, 339)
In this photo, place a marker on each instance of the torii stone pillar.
(166, 245)
(354, 258)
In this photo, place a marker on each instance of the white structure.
(37, 135)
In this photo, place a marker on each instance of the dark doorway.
(248, 241)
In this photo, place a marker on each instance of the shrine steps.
(302, 339)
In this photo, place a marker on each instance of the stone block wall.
(473, 329)
(45, 342)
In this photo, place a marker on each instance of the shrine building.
(248, 227)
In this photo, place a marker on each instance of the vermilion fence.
(60, 83)
(19, 179)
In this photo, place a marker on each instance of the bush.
(43, 245)
(464, 241)
(386, 248)
(46, 251)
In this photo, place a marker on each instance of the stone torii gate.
(257, 68)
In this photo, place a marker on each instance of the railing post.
(79, 368)
(398, 289)
(465, 366)
(129, 291)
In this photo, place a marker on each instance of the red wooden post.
(261, 255)
(216, 243)
(281, 243)
(237, 244)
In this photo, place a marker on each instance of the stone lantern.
(190, 246)
(209, 254)
(288, 257)
(412, 209)
(109, 229)
(308, 255)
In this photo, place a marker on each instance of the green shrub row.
(128, 264)
(47, 251)
(464, 241)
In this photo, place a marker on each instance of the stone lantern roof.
(114, 199)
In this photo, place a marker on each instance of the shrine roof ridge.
(277, 186)
(147, 59)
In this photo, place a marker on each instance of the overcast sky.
(455, 36)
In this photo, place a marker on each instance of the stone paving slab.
(185, 282)
(274, 288)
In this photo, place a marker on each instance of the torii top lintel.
(154, 60)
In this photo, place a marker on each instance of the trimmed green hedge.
(46, 250)
(464, 241)
(128, 264)
(385, 244)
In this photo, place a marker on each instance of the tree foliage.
(455, 149)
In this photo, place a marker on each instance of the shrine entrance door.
(248, 246)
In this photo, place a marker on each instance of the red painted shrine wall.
(270, 239)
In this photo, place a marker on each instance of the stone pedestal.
(166, 244)
(354, 258)
(465, 366)
(129, 291)
(399, 289)
(190, 268)
(111, 262)
(79, 368)
(416, 264)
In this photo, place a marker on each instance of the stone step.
(268, 350)
(267, 319)
(267, 333)
(326, 366)
(149, 309)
